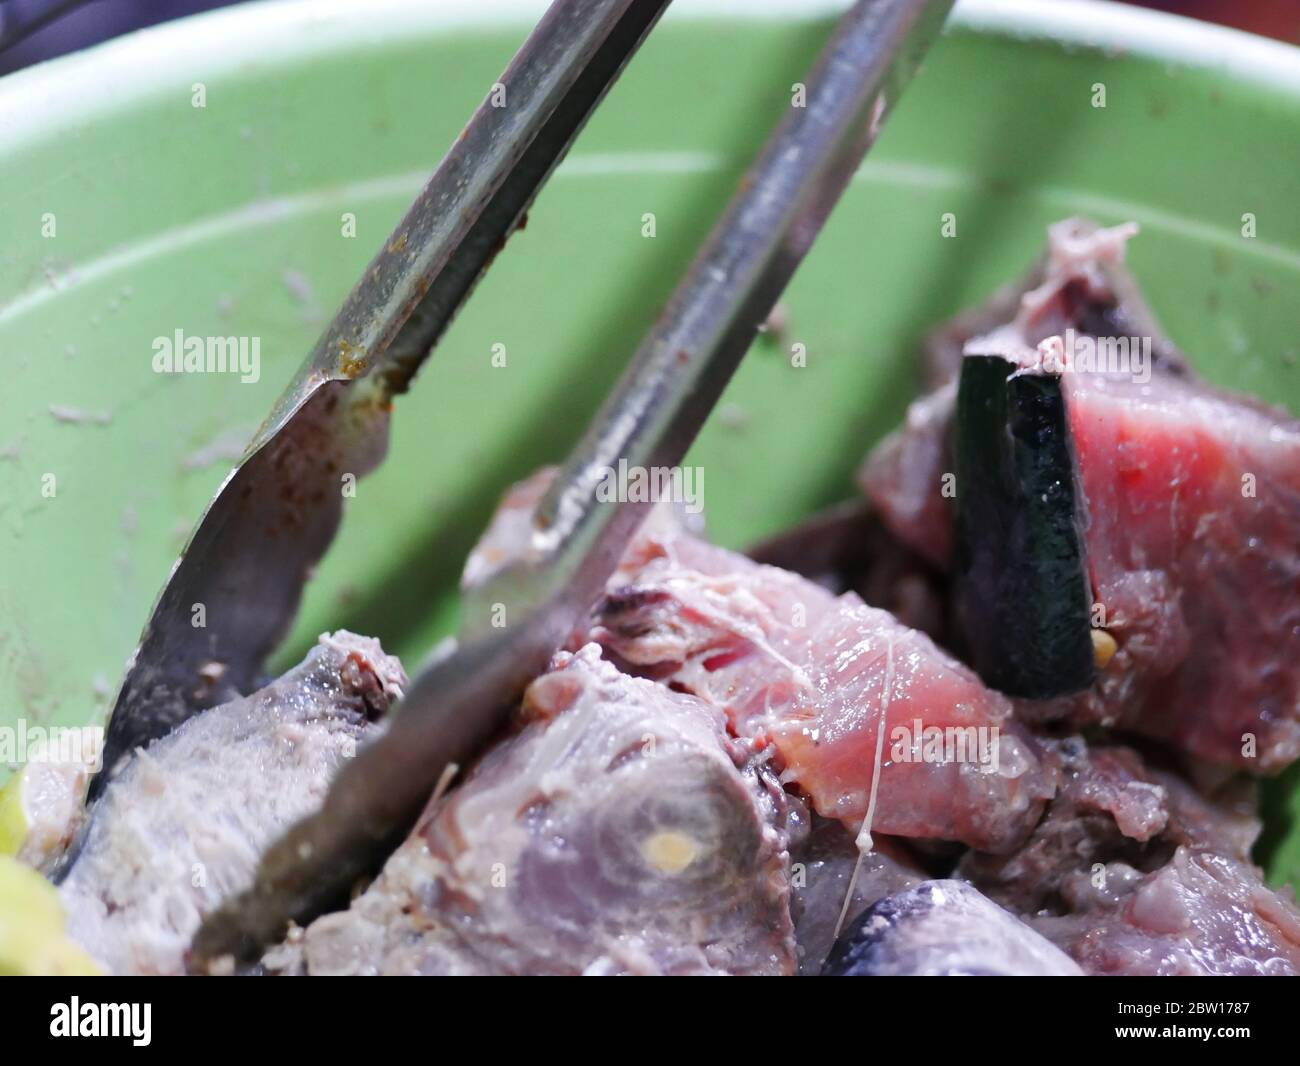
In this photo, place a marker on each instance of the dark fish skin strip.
(1021, 584)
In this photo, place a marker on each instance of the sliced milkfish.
(183, 825)
(1133, 871)
(619, 831)
(836, 688)
(1190, 501)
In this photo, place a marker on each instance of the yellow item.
(32, 937)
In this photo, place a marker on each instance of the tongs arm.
(651, 418)
(273, 518)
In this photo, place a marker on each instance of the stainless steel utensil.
(242, 573)
(649, 420)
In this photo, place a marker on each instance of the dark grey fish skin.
(1026, 627)
(944, 929)
(826, 864)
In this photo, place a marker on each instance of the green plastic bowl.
(130, 213)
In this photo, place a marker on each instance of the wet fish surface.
(944, 929)
(1192, 498)
(1133, 871)
(835, 687)
(184, 824)
(619, 831)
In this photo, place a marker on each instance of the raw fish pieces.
(1132, 871)
(183, 825)
(827, 681)
(1194, 553)
(619, 831)
(827, 866)
(1192, 499)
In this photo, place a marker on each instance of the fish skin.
(829, 866)
(944, 928)
(1192, 497)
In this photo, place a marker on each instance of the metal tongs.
(277, 512)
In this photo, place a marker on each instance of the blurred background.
(35, 30)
